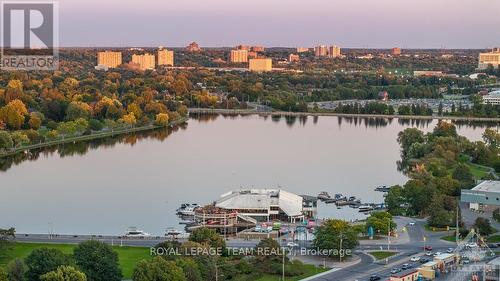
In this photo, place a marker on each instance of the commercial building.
(396, 51)
(109, 59)
(293, 58)
(261, 65)
(492, 98)
(492, 58)
(302, 50)
(485, 196)
(252, 55)
(492, 270)
(264, 204)
(165, 57)
(146, 61)
(405, 275)
(193, 47)
(243, 47)
(238, 56)
(439, 266)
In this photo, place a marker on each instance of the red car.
(428, 248)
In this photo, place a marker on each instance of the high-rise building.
(109, 59)
(488, 58)
(293, 58)
(333, 52)
(238, 56)
(252, 55)
(396, 51)
(261, 65)
(321, 51)
(193, 47)
(165, 57)
(302, 50)
(243, 47)
(146, 61)
(258, 48)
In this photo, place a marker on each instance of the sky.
(285, 23)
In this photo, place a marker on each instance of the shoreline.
(90, 137)
(288, 113)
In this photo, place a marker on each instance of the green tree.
(64, 273)
(483, 226)
(332, 232)
(6, 237)
(190, 268)
(98, 261)
(3, 274)
(16, 270)
(207, 236)
(395, 200)
(157, 269)
(381, 222)
(463, 174)
(43, 260)
(5, 140)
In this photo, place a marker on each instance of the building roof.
(429, 264)
(495, 261)
(249, 199)
(404, 273)
(488, 186)
(444, 256)
(494, 94)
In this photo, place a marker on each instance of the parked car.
(428, 253)
(428, 248)
(424, 260)
(450, 250)
(437, 254)
(292, 244)
(375, 278)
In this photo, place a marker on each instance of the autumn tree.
(161, 119)
(13, 114)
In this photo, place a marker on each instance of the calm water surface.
(105, 186)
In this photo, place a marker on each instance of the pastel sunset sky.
(292, 23)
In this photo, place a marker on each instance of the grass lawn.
(380, 255)
(310, 271)
(493, 239)
(478, 171)
(128, 256)
(450, 238)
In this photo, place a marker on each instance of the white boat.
(188, 211)
(365, 208)
(323, 195)
(133, 232)
(178, 234)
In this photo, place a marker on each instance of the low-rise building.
(264, 204)
(484, 196)
(405, 275)
(492, 98)
(261, 65)
(293, 58)
(428, 270)
(193, 47)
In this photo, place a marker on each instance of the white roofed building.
(264, 204)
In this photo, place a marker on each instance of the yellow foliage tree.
(161, 119)
(13, 114)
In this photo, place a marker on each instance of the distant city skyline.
(281, 23)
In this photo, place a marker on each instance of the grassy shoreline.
(99, 135)
(288, 113)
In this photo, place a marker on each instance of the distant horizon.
(272, 47)
(410, 24)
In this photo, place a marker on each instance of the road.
(368, 266)
(412, 245)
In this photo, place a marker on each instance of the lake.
(105, 186)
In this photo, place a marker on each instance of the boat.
(133, 232)
(339, 196)
(323, 195)
(177, 234)
(330, 201)
(188, 211)
(365, 208)
(352, 198)
(342, 202)
(185, 206)
(382, 188)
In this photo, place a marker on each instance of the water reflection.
(82, 148)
